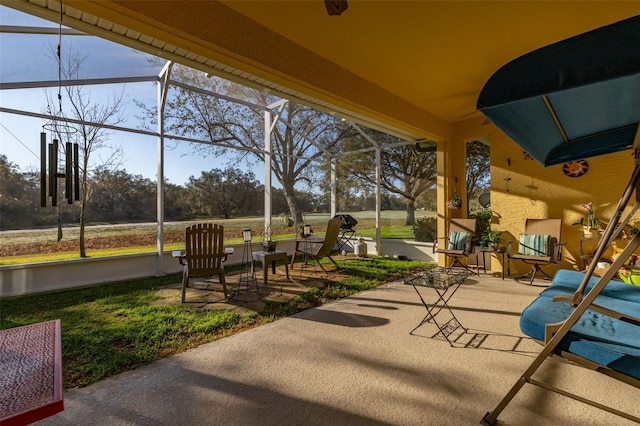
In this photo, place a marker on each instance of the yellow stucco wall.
(538, 192)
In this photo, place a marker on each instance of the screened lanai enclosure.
(164, 142)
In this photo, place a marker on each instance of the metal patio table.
(445, 282)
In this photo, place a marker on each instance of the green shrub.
(426, 229)
(483, 223)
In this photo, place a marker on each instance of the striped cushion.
(534, 245)
(458, 240)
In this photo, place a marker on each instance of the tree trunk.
(59, 220)
(83, 208)
(83, 251)
(411, 213)
(289, 195)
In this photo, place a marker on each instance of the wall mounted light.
(336, 7)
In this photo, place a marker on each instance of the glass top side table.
(445, 283)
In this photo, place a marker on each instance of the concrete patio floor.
(353, 362)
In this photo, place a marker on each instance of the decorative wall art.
(575, 168)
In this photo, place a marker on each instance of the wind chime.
(455, 202)
(50, 161)
(507, 179)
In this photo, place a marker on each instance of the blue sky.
(31, 58)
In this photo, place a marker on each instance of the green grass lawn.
(399, 232)
(52, 257)
(115, 327)
(404, 232)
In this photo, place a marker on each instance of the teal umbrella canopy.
(571, 100)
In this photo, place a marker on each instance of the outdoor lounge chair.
(458, 244)
(204, 255)
(577, 99)
(539, 245)
(318, 248)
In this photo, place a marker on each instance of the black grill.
(347, 221)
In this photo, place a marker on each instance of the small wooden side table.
(270, 257)
(502, 251)
(587, 245)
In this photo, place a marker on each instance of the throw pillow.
(458, 240)
(534, 245)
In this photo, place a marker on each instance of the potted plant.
(287, 221)
(632, 229)
(622, 239)
(590, 224)
(268, 244)
(483, 224)
(492, 239)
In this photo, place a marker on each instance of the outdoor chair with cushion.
(458, 244)
(204, 255)
(318, 248)
(539, 245)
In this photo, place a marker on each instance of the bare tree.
(478, 173)
(300, 150)
(225, 192)
(406, 171)
(300, 137)
(89, 134)
(18, 196)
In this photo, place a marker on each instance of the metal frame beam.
(164, 82)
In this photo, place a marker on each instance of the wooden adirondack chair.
(204, 255)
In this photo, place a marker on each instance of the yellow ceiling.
(435, 54)
(416, 66)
